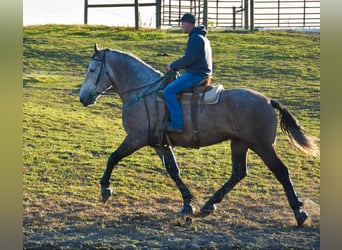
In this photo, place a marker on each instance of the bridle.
(103, 66)
(105, 92)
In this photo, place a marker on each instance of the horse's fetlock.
(104, 183)
(217, 198)
(297, 205)
(187, 196)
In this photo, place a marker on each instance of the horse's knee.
(239, 173)
(173, 171)
(243, 173)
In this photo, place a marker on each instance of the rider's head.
(188, 23)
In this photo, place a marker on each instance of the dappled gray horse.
(244, 116)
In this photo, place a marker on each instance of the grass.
(66, 146)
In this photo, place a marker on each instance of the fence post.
(234, 17)
(85, 11)
(246, 14)
(278, 13)
(217, 13)
(205, 13)
(179, 12)
(158, 14)
(169, 12)
(304, 13)
(136, 13)
(252, 14)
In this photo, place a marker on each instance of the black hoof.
(187, 210)
(106, 193)
(301, 216)
(208, 209)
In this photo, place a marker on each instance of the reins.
(105, 92)
(130, 90)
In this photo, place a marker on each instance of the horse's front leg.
(169, 160)
(125, 149)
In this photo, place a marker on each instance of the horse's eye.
(91, 70)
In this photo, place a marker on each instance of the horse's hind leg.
(239, 171)
(281, 172)
(169, 160)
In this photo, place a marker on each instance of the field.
(66, 146)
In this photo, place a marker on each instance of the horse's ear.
(96, 48)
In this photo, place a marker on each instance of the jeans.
(185, 81)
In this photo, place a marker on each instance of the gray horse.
(245, 117)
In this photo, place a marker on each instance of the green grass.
(66, 146)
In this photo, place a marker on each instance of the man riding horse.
(197, 63)
(245, 117)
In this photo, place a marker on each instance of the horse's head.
(97, 79)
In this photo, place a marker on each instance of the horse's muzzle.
(89, 101)
(88, 98)
(81, 100)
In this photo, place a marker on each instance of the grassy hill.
(66, 146)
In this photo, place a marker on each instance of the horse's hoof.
(301, 216)
(187, 210)
(106, 193)
(208, 209)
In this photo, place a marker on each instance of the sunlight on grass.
(66, 146)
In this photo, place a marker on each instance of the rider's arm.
(194, 47)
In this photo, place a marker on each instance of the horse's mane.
(131, 57)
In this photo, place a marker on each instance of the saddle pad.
(212, 96)
(209, 96)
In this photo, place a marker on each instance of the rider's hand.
(168, 67)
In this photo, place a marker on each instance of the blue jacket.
(198, 55)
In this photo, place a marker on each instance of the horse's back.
(240, 113)
(251, 114)
(245, 96)
(246, 101)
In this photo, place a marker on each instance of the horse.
(245, 117)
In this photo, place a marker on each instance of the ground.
(66, 146)
(155, 224)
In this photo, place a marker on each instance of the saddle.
(209, 94)
(203, 93)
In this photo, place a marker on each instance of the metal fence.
(287, 13)
(133, 4)
(211, 12)
(235, 14)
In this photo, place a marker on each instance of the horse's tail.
(295, 132)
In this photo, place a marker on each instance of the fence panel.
(287, 13)
(219, 12)
(255, 14)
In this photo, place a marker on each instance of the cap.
(188, 18)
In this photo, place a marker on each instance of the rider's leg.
(185, 81)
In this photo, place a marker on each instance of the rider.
(197, 63)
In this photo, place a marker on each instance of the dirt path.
(154, 225)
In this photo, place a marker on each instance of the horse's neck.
(134, 73)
